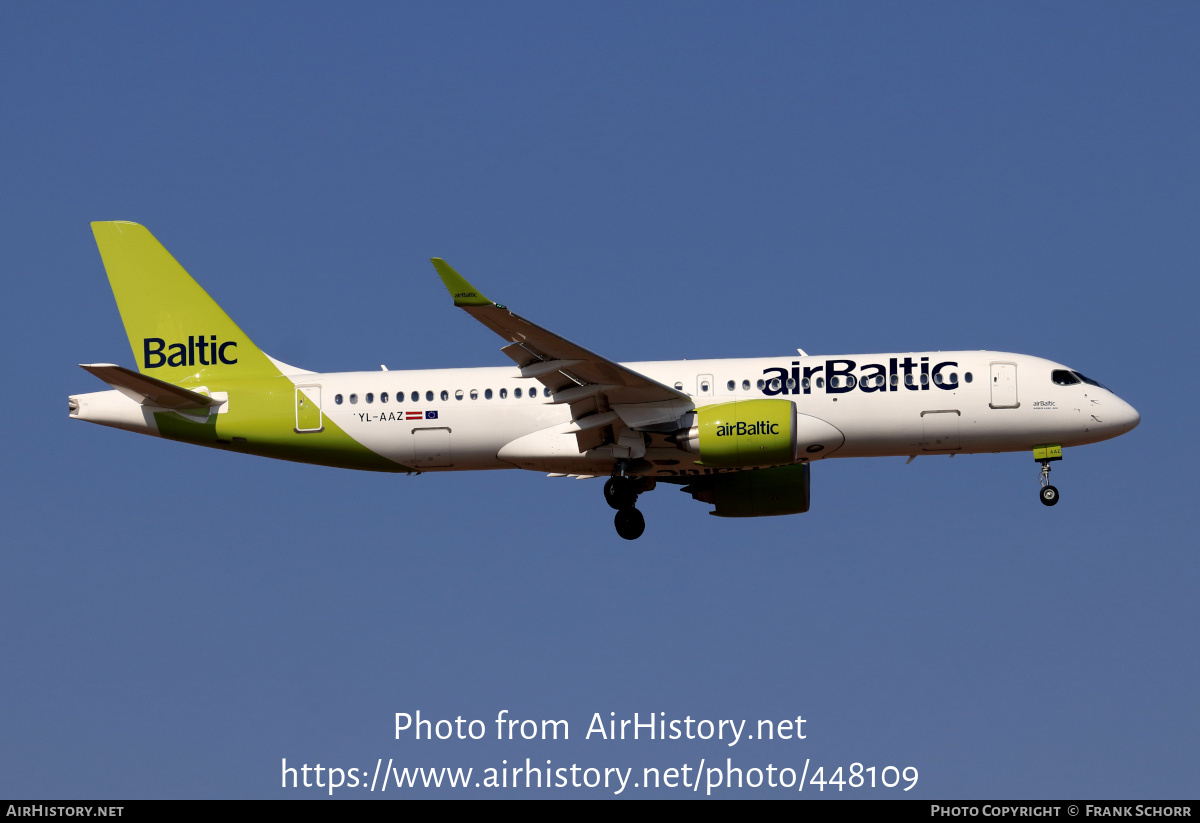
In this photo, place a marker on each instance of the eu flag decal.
(431, 415)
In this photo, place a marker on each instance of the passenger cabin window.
(745, 385)
(370, 397)
(503, 393)
(967, 377)
(458, 394)
(517, 393)
(337, 398)
(730, 385)
(353, 399)
(474, 394)
(428, 395)
(487, 394)
(445, 394)
(383, 397)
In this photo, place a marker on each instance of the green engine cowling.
(744, 433)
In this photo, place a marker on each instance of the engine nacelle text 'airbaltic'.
(744, 433)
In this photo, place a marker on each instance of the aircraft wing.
(597, 389)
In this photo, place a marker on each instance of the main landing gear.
(621, 493)
(1046, 455)
(630, 523)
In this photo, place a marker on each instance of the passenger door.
(1004, 386)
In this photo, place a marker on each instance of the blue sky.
(653, 181)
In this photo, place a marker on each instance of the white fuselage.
(884, 404)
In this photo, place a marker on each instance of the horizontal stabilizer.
(149, 391)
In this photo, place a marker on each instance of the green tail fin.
(177, 332)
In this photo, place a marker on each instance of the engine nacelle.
(743, 434)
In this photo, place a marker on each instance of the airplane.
(737, 434)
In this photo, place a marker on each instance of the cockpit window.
(1090, 381)
(1062, 377)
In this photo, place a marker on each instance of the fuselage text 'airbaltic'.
(838, 377)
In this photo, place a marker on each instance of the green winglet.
(464, 293)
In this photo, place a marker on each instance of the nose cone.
(1125, 417)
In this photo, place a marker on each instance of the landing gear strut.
(621, 492)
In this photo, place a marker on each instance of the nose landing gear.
(1046, 455)
(621, 493)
